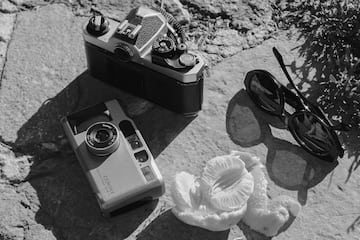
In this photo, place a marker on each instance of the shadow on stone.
(292, 168)
(167, 226)
(246, 124)
(67, 205)
(251, 234)
(158, 125)
(288, 165)
(69, 209)
(354, 225)
(287, 224)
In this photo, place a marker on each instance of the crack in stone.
(22, 7)
(6, 51)
(5, 144)
(6, 12)
(25, 205)
(33, 6)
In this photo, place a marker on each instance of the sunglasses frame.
(302, 106)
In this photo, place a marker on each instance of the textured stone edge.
(8, 21)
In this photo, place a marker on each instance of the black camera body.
(146, 55)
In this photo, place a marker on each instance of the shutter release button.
(187, 60)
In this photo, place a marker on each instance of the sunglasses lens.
(266, 91)
(313, 133)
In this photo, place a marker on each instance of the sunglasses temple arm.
(282, 65)
(339, 127)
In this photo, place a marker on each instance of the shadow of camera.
(67, 205)
(167, 226)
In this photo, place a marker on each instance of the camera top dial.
(164, 46)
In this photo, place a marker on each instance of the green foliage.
(332, 32)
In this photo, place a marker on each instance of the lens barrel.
(102, 138)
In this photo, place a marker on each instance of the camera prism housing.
(113, 155)
(146, 55)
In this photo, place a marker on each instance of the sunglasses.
(307, 122)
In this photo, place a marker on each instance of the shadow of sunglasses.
(307, 122)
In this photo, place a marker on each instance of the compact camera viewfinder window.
(126, 128)
(129, 133)
(81, 120)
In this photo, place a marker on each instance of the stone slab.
(45, 78)
(7, 22)
(45, 55)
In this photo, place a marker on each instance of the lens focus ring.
(102, 138)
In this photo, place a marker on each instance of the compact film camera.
(114, 156)
(146, 55)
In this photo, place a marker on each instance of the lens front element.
(102, 135)
(102, 138)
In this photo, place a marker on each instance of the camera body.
(114, 156)
(146, 55)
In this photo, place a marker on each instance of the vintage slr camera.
(146, 55)
(114, 156)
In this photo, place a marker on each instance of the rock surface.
(7, 22)
(45, 195)
(224, 28)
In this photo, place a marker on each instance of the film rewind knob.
(98, 25)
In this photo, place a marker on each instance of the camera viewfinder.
(126, 128)
(129, 133)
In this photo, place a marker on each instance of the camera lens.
(102, 135)
(102, 138)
